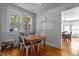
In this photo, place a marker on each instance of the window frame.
(10, 11)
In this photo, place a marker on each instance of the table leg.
(44, 47)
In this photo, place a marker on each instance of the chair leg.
(27, 49)
(34, 49)
(20, 47)
(38, 48)
(31, 50)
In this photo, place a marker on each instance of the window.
(75, 29)
(67, 28)
(14, 21)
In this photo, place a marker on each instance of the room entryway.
(70, 31)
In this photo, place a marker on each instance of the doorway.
(70, 31)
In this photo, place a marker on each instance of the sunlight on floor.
(71, 48)
(75, 43)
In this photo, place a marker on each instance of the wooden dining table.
(32, 38)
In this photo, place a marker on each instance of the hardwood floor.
(71, 48)
(68, 49)
(50, 51)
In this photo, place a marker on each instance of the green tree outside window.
(14, 21)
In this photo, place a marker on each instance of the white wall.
(71, 14)
(53, 35)
(4, 34)
(0, 29)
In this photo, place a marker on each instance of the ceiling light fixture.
(39, 4)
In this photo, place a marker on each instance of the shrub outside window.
(14, 22)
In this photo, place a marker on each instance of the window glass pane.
(75, 29)
(14, 22)
(66, 28)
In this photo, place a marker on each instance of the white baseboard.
(53, 45)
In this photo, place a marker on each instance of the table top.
(33, 37)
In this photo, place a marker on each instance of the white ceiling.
(71, 14)
(36, 7)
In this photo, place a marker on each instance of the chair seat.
(27, 44)
(38, 41)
